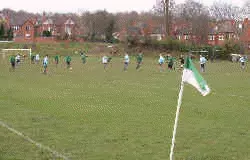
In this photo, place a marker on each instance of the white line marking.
(233, 95)
(32, 141)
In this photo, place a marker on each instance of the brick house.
(32, 29)
(219, 32)
(141, 30)
(25, 32)
(244, 36)
(182, 31)
(222, 32)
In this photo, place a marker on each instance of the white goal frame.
(18, 50)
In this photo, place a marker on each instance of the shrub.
(47, 34)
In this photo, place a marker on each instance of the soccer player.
(13, 62)
(37, 58)
(182, 61)
(243, 62)
(83, 57)
(105, 61)
(45, 64)
(68, 61)
(126, 62)
(32, 59)
(161, 62)
(139, 59)
(56, 59)
(203, 61)
(110, 60)
(170, 62)
(18, 59)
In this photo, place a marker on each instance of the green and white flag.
(192, 76)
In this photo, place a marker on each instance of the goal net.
(6, 53)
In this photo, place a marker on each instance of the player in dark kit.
(13, 62)
(182, 61)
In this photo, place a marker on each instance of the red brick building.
(218, 34)
(25, 32)
(223, 31)
(32, 30)
(140, 30)
(245, 32)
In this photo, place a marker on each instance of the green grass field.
(89, 114)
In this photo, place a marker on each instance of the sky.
(76, 6)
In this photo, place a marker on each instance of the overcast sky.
(91, 5)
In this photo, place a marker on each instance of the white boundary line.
(234, 95)
(39, 145)
(6, 41)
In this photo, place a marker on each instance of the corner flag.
(191, 76)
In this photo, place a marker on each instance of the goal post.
(7, 52)
(29, 50)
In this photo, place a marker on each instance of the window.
(68, 30)
(15, 28)
(221, 37)
(186, 37)
(27, 35)
(27, 28)
(211, 37)
(240, 26)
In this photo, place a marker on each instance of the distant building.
(141, 30)
(33, 29)
(218, 32)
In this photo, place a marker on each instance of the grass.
(90, 114)
(62, 48)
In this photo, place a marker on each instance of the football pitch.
(89, 114)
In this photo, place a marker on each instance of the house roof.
(183, 30)
(48, 21)
(16, 21)
(226, 26)
(63, 19)
(58, 21)
(29, 21)
(69, 21)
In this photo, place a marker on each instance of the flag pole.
(176, 119)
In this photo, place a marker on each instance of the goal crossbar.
(18, 50)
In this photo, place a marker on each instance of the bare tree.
(164, 9)
(246, 9)
(197, 16)
(223, 10)
(95, 23)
